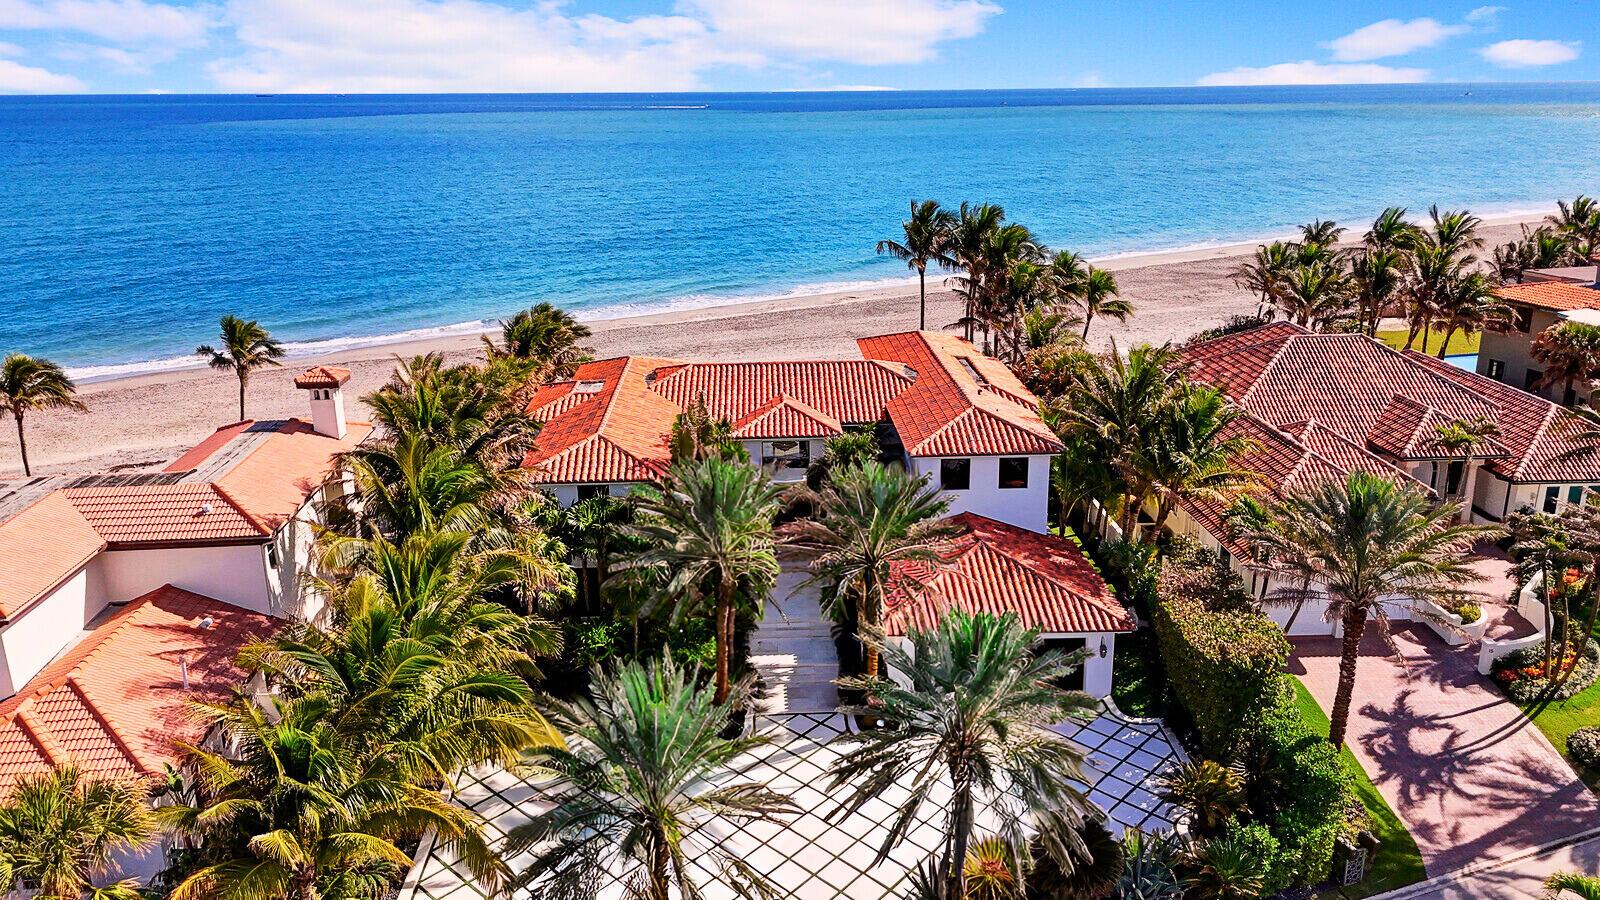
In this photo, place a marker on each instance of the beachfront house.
(1544, 299)
(939, 406)
(1319, 406)
(124, 596)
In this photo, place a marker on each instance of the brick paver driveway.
(1469, 775)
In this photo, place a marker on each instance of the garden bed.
(1521, 674)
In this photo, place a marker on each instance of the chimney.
(326, 384)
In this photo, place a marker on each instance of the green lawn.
(1398, 863)
(1459, 343)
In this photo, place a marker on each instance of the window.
(955, 474)
(590, 491)
(1072, 681)
(1552, 495)
(1497, 369)
(272, 556)
(1530, 378)
(780, 455)
(1569, 398)
(1013, 472)
(1523, 319)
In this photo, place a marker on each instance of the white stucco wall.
(236, 575)
(1514, 348)
(1096, 670)
(567, 494)
(39, 633)
(1023, 507)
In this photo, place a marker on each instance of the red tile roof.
(283, 465)
(175, 513)
(998, 568)
(1559, 296)
(611, 421)
(114, 702)
(322, 377)
(41, 547)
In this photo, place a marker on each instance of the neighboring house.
(125, 596)
(937, 404)
(1507, 356)
(1319, 406)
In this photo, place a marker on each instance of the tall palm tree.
(28, 383)
(1321, 233)
(1192, 455)
(646, 754)
(1377, 275)
(1570, 353)
(872, 517)
(1267, 274)
(926, 233)
(709, 523)
(977, 715)
(1441, 255)
(1119, 404)
(1463, 436)
(969, 248)
(1538, 248)
(1315, 294)
(61, 831)
(1579, 223)
(546, 336)
(477, 410)
(1369, 544)
(1099, 298)
(1469, 305)
(245, 346)
(1390, 231)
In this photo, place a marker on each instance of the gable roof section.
(114, 702)
(785, 417)
(1557, 296)
(268, 469)
(998, 568)
(41, 547)
(951, 410)
(165, 514)
(614, 429)
(850, 391)
(1540, 437)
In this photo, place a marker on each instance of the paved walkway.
(1520, 878)
(1469, 775)
(793, 650)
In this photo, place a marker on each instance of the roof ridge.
(41, 735)
(1107, 603)
(1271, 363)
(110, 725)
(1550, 415)
(238, 507)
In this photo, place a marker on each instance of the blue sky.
(253, 46)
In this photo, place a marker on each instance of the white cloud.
(1308, 72)
(1391, 37)
(487, 45)
(10, 49)
(1485, 15)
(1525, 54)
(122, 22)
(16, 78)
(867, 32)
(1089, 80)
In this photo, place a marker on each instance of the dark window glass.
(786, 454)
(1014, 472)
(588, 491)
(1497, 369)
(1551, 495)
(1530, 378)
(1072, 681)
(1524, 319)
(955, 474)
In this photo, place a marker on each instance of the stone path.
(1468, 774)
(793, 650)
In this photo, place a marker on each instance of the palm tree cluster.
(1013, 288)
(1568, 237)
(1431, 275)
(1561, 553)
(1137, 430)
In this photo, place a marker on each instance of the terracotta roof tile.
(785, 417)
(164, 514)
(619, 433)
(854, 392)
(114, 702)
(283, 468)
(322, 377)
(1559, 296)
(40, 547)
(999, 568)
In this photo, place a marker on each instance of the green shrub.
(1224, 660)
(1469, 613)
(1092, 876)
(1299, 790)
(1584, 746)
(1259, 841)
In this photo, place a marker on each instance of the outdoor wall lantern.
(1102, 648)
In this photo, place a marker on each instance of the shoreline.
(138, 420)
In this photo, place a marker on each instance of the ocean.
(129, 224)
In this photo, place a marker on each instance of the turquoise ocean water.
(128, 224)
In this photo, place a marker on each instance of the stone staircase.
(793, 651)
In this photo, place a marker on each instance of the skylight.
(966, 363)
(588, 387)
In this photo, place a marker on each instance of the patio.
(808, 856)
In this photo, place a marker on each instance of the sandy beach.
(142, 420)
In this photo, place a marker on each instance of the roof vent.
(205, 509)
(966, 363)
(206, 624)
(588, 387)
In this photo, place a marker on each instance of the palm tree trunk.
(1411, 335)
(305, 883)
(660, 861)
(1163, 510)
(955, 883)
(1355, 625)
(242, 379)
(871, 614)
(922, 298)
(1564, 674)
(1129, 516)
(1444, 345)
(724, 626)
(22, 445)
(1088, 317)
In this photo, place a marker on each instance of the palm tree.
(646, 755)
(1469, 305)
(1267, 274)
(698, 435)
(245, 346)
(1570, 353)
(1193, 452)
(1586, 887)
(969, 249)
(1463, 436)
(1368, 544)
(61, 830)
(709, 524)
(926, 234)
(1315, 294)
(1224, 868)
(1579, 223)
(479, 411)
(1391, 231)
(977, 716)
(1321, 233)
(1119, 404)
(873, 518)
(1208, 791)
(546, 336)
(1377, 275)
(1440, 256)
(1539, 248)
(28, 383)
(1099, 298)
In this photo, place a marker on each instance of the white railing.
(1530, 607)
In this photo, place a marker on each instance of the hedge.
(1224, 660)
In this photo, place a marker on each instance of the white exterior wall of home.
(567, 494)
(1096, 668)
(1026, 507)
(35, 636)
(1497, 498)
(234, 574)
(1512, 353)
